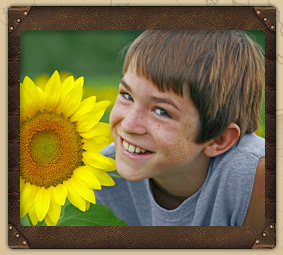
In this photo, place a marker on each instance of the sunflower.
(60, 141)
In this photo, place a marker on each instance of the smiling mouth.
(134, 149)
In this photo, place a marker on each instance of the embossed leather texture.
(139, 18)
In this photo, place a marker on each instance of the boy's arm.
(256, 211)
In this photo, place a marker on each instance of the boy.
(183, 126)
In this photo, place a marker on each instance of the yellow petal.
(110, 137)
(60, 193)
(104, 178)
(74, 197)
(102, 105)
(95, 144)
(85, 175)
(32, 216)
(99, 161)
(72, 101)
(70, 92)
(27, 107)
(27, 197)
(54, 209)
(32, 90)
(65, 75)
(42, 99)
(67, 85)
(87, 205)
(84, 192)
(21, 184)
(100, 129)
(52, 91)
(42, 203)
(30, 99)
(79, 82)
(89, 120)
(49, 222)
(41, 81)
(85, 106)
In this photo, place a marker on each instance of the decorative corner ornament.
(267, 239)
(16, 15)
(268, 15)
(15, 240)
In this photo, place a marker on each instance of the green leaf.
(114, 174)
(97, 215)
(41, 224)
(67, 202)
(25, 221)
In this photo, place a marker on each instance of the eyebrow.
(154, 98)
(125, 85)
(165, 100)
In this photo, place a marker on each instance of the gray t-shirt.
(222, 200)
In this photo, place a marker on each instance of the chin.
(129, 174)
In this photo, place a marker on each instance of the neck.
(171, 190)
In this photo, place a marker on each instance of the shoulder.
(252, 144)
(256, 211)
(240, 162)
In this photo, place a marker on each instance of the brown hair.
(223, 69)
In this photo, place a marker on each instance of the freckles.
(181, 153)
(183, 148)
(192, 130)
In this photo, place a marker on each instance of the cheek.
(115, 115)
(177, 145)
(112, 116)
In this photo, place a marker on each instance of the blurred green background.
(97, 55)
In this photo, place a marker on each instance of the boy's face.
(165, 125)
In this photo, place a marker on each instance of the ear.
(224, 142)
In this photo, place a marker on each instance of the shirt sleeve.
(109, 151)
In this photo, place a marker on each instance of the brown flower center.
(51, 149)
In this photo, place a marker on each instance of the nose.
(134, 122)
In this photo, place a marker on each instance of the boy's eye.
(162, 112)
(127, 96)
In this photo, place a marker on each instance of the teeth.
(131, 148)
(126, 145)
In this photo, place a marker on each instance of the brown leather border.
(139, 18)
